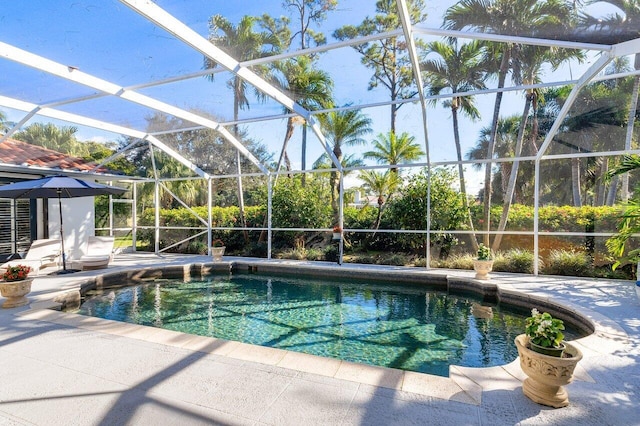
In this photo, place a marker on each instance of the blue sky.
(107, 39)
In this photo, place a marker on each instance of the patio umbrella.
(58, 187)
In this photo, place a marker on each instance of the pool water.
(405, 327)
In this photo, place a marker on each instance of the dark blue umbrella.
(58, 187)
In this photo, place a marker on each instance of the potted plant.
(483, 263)
(545, 333)
(16, 285)
(217, 249)
(337, 232)
(546, 374)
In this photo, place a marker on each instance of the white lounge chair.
(42, 253)
(99, 253)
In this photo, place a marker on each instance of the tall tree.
(458, 69)
(61, 139)
(4, 124)
(614, 28)
(507, 17)
(243, 44)
(388, 58)
(391, 149)
(383, 185)
(308, 86)
(343, 128)
(309, 12)
(531, 60)
(504, 147)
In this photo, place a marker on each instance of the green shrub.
(396, 259)
(458, 261)
(514, 260)
(331, 253)
(315, 254)
(568, 262)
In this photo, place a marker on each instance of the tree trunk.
(285, 143)
(463, 188)
(601, 187)
(334, 184)
(630, 124)
(304, 152)
(575, 182)
(613, 189)
(502, 76)
(511, 186)
(236, 107)
(394, 113)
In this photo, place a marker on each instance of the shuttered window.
(15, 226)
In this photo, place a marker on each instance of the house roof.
(19, 153)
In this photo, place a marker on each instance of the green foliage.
(484, 252)
(544, 330)
(568, 262)
(628, 226)
(514, 260)
(409, 211)
(560, 218)
(298, 206)
(183, 218)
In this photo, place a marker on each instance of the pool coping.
(464, 384)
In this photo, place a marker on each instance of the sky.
(107, 39)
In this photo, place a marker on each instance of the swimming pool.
(402, 326)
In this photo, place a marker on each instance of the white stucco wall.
(78, 215)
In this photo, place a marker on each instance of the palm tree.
(508, 17)
(530, 59)
(458, 70)
(243, 44)
(630, 224)
(61, 139)
(504, 145)
(382, 185)
(343, 128)
(308, 86)
(4, 124)
(392, 149)
(612, 29)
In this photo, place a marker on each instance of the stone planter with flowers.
(217, 249)
(337, 232)
(483, 263)
(546, 359)
(15, 286)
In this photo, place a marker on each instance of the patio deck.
(66, 369)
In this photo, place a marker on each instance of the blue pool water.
(404, 327)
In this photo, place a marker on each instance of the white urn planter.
(547, 375)
(217, 253)
(15, 292)
(482, 268)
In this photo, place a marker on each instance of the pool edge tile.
(371, 375)
(308, 363)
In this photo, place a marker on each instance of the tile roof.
(25, 154)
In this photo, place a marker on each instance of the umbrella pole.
(64, 262)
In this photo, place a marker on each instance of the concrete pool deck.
(65, 369)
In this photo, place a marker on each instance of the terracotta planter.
(482, 268)
(15, 292)
(547, 375)
(217, 253)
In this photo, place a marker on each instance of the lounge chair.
(99, 253)
(42, 253)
